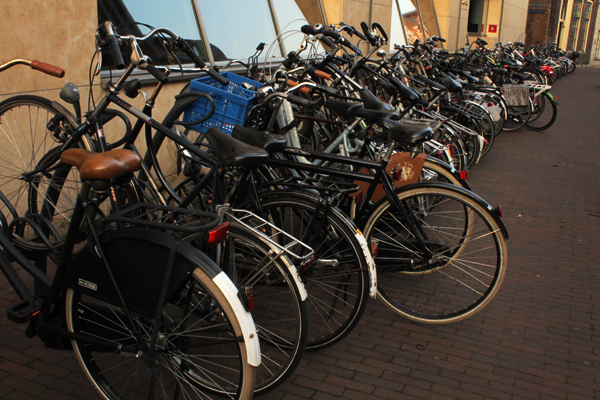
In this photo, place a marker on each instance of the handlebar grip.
(368, 33)
(375, 25)
(292, 84)
(332, 34)
(329, 90)
(162, 78)
(300, 101)
(343, 40)
(47, 68)
(218, 77)
(113, 45)
(360, 35)
(349, 45)
(187, 49)
(308, 30)
(322, 74)
(326, 41)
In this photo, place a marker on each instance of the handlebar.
(107, 35)
(46, 68)
(318, 29)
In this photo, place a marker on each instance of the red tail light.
(358, 197)
(304, 266)
(246, 295)
(374, 247)
(217, 235)
(463, 175)
(499, 211)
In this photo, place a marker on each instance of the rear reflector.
(217, 235)
(463, 175)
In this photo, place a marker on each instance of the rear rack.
(274, 235)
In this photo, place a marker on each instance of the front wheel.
(456, 270)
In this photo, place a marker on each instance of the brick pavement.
(538, 339)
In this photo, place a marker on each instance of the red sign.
(492, 28)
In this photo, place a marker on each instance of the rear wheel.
(544, 113)
(199, 354)
(337, 282)
(280, 313)
(517, 117)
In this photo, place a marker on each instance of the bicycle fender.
(451, 169)
(244, 317)
(370, 263)
(463, 191)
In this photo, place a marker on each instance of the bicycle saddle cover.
(235, 153)
(407, 131)
(267, 141)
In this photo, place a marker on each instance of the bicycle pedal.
(23, 311)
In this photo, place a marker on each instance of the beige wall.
(514, 20)
(59, 32)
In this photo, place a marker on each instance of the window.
(576, 15)
(177, 15)
(411, 19)
(563, 12)
(597, 54)
(583, 30)
(236, 27)
(477, 21)
(233, 28)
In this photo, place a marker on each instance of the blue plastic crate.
(232, 102)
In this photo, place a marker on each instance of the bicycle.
(441, 236)
(287, 339)
(136, 297)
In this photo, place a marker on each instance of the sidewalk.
(538, 339)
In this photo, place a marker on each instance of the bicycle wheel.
(33, 131)
(280, 313)
(544, 113)
(458, 269)
(200, 350)
(488, 128)
(517, 117)
(337, 282)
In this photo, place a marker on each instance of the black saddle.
(268, 141)
(235, 153)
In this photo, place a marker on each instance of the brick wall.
(538, 24)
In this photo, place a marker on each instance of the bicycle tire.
(488, 128)
(337, 295)
(285, 343)
(280, 313)
(544, 105)
(517, 117)
(24, 122)
(200, 317)
(460, 282)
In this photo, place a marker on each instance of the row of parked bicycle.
(298, 194)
